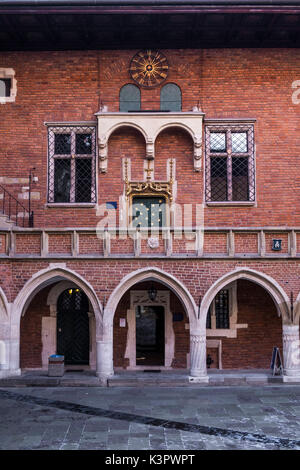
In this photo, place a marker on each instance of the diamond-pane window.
(239, 142)
(72, 164)
(230, 176)
(218, 142)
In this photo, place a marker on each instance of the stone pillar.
(198, 372)
(291, 353)
(104, 366)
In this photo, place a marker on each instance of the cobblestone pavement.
(213, 418)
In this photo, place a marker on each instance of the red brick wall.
(31, 330)
(68, 86)
(253, 346)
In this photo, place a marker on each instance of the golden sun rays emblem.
(149, 68)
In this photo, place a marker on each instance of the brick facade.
(226, 84)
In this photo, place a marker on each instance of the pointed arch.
(46, 277)
(277, 293)
(4, 306)
(297, 310)
(153, 274)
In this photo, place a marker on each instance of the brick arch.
(124, 124)
(277, 293)
(46, 277)
(176, 125)
(146, 274)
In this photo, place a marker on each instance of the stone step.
(5, 222)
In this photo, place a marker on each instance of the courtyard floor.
(150, 418)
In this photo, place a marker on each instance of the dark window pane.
(217, 142)
(240, 179)
(83, 144)
(148, 212)
(218, 178)
(83, 180)
(5, 86)
(170, 98)
(130, 98)
(208, 319)
(62, 180)
(239, 142)
(62, 144)
(222, 309)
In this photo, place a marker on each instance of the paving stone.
(207, 418)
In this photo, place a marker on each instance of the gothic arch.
(46, 277)
(277, 293)
(4, 307)
(145, 274)
(297, 310)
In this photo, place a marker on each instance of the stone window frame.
(65, 127)
(8, 73)
(227, 127)
(230, 332)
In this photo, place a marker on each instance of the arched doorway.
(34, 317)
(72, 330)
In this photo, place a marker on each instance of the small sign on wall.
(122, 322)
(276, 244)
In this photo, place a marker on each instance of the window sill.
(82, 205)
(230, 203)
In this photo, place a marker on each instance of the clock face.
(149, 68)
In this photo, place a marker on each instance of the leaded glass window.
(218, 315)
(230, 166)
(72, 164)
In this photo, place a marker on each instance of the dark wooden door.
(73, 327)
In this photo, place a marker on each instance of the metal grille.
(72, 164)
(229, 163)
(222, 309)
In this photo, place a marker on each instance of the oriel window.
(230, 166)
(71, 166)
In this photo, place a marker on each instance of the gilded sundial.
(149, 68)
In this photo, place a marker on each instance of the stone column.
(198, 372)
(291, 353)
(104, 366)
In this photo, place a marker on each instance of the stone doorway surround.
(141, 298)
(49, 326)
